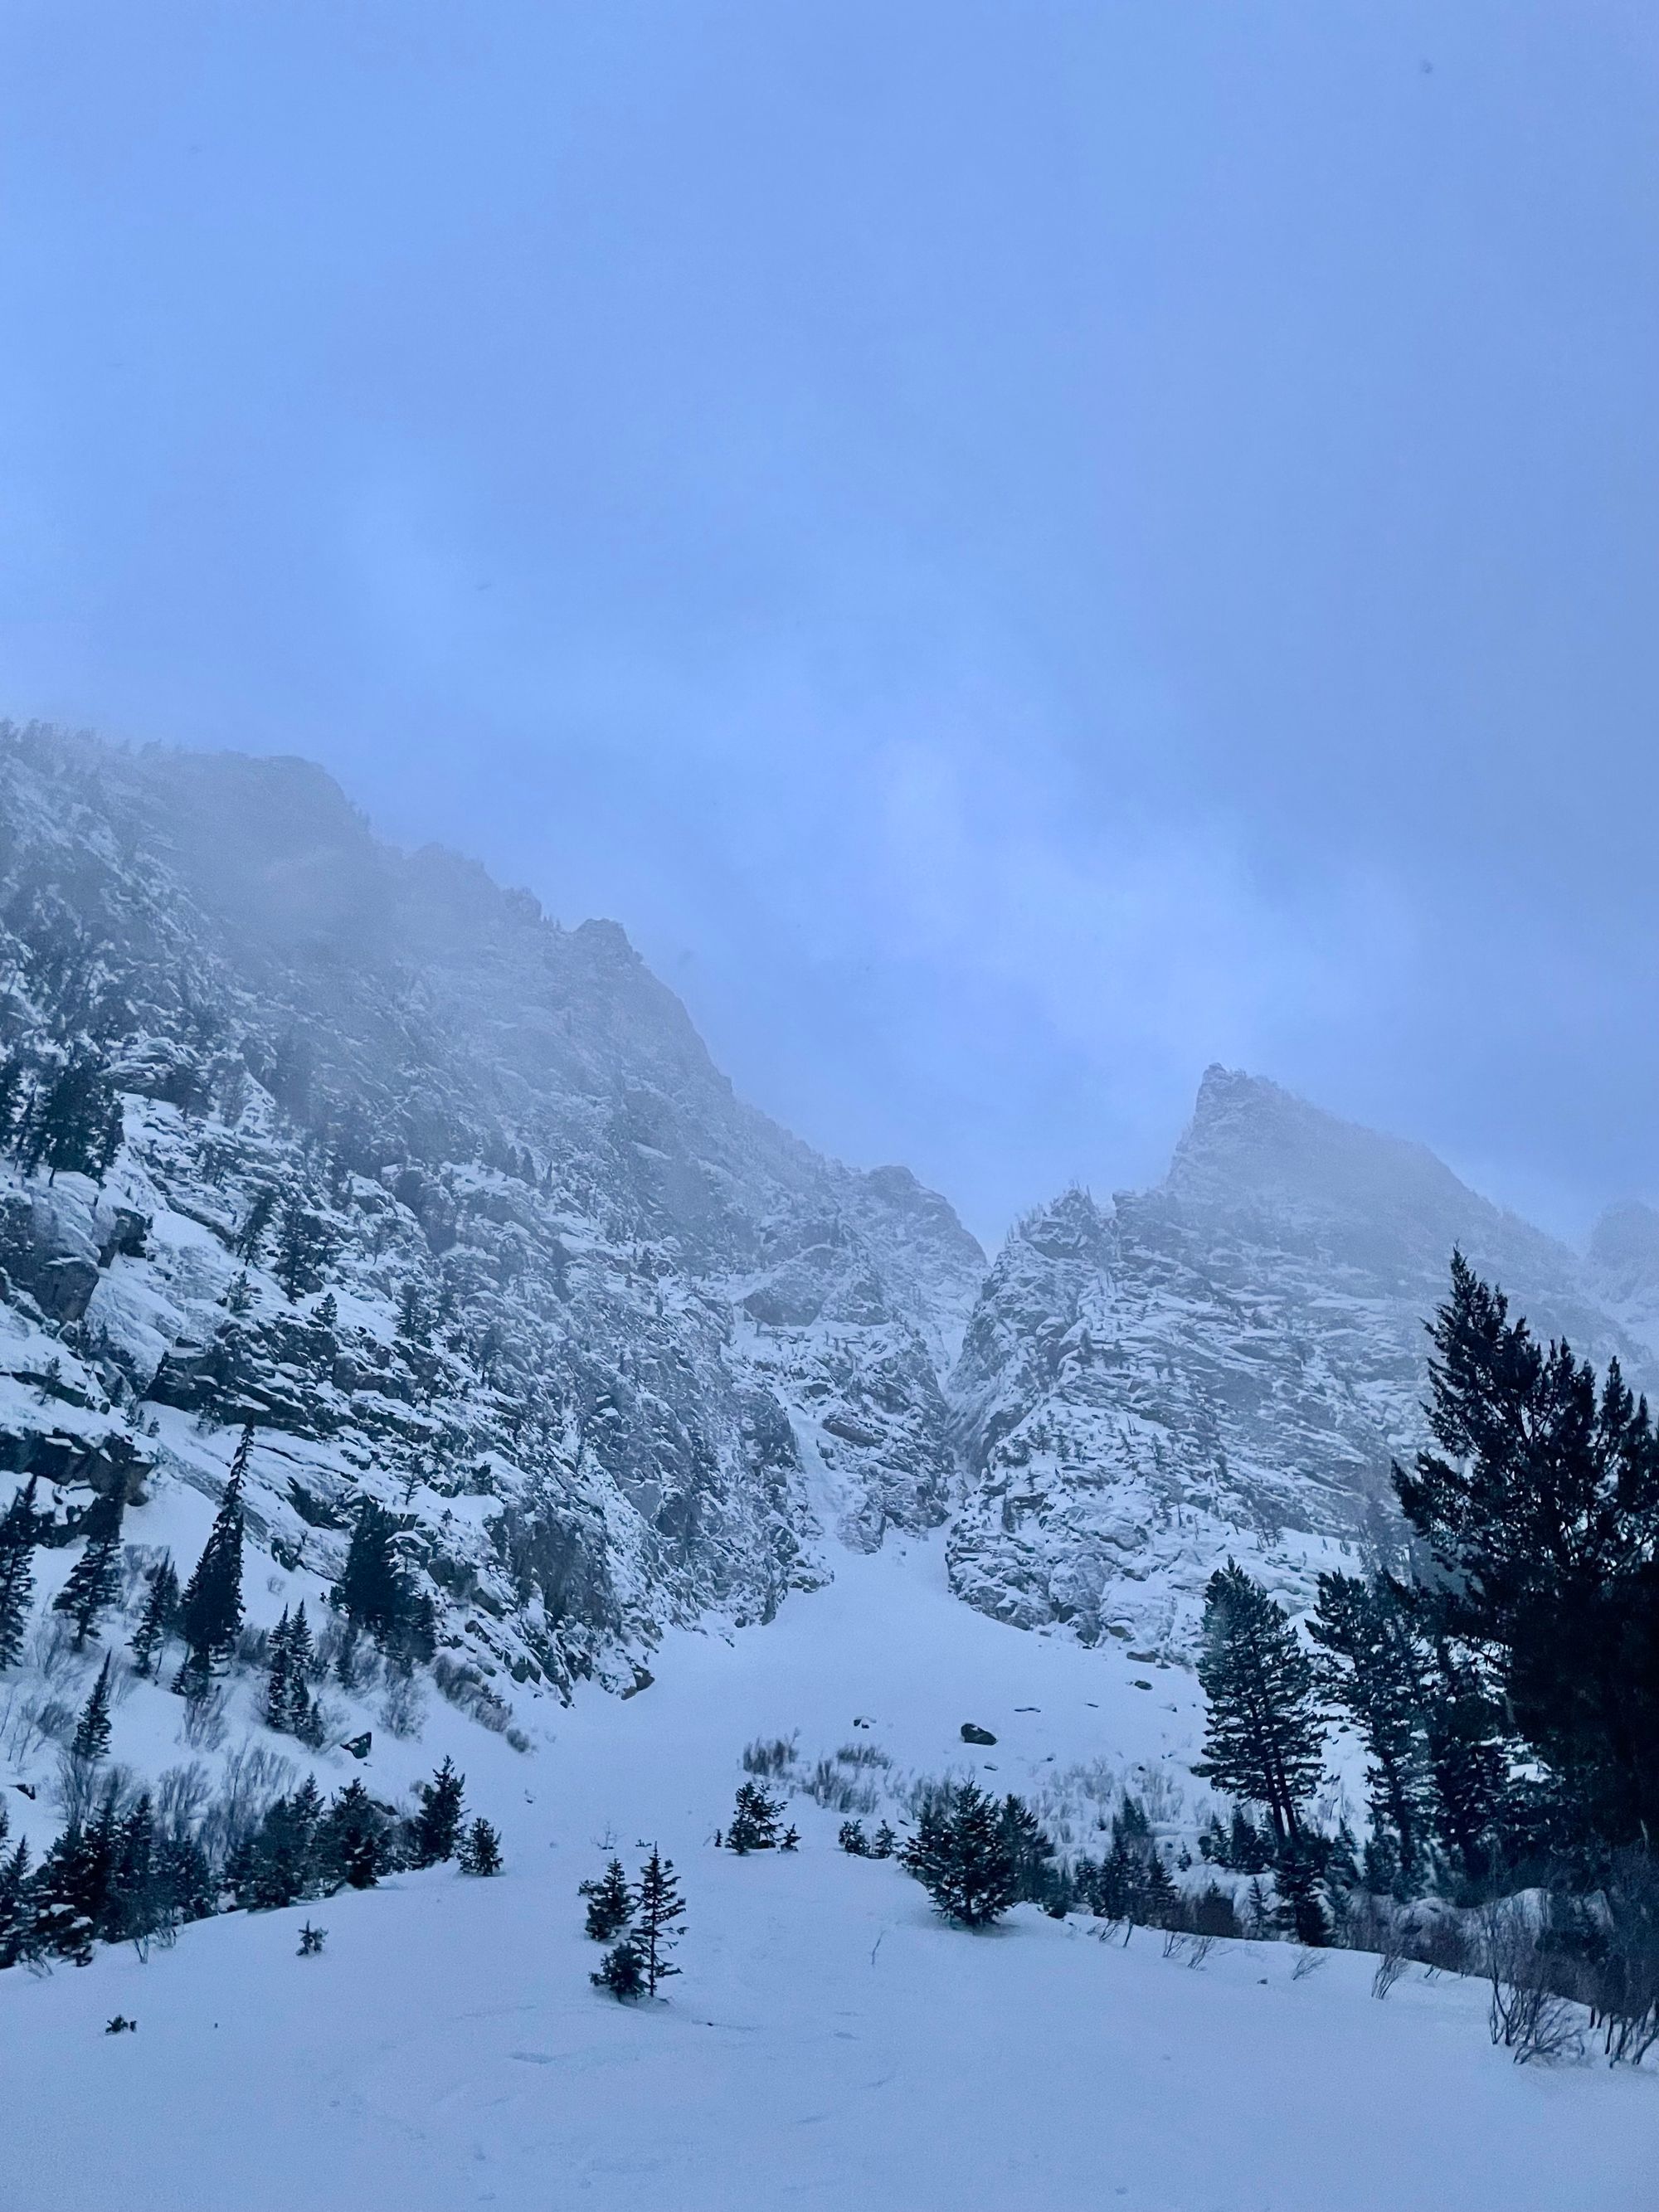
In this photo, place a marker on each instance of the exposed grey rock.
(1228, 1364)
(614, 1345)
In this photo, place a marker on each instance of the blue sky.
(1018, 548)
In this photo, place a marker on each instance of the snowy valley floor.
(828, 2044)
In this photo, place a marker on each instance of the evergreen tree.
(438, 1823)
(1031, 1850)
(135, 1907)
(280, 1864)
(74, 1123)
(184, 1878)
(17, 1535)
(609, 1903)
(304, 1248)
(1377, 1674)
(1299, 1867)
(1248, 1851)
(853, 1840)
(288, 1705)
(72, 1887)
(480, 1850)
(1160, 1897)
(1265, 1736)
(277, 1704)
(353, 1839)
(210, 1611)
(754, 1818)
(375, 1593)
(251, 1234)
(17, 1908)
(622, 1971)
(96, 1575)
(658, 1919)
(1539, 1503)
(90, 1742)
(1469, 1763)
(158, 1617)
(962, 1858)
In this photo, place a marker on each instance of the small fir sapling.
(659, 1919)
(622, 1971)
(609, 1903)
(437, 1826)
(311, 1940)
(479, 1851)
(853, 1840)
(883, 1844)
(754, 1823)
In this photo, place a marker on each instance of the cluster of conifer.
(757, 1824)
(1502, 1672)
(641, 1921)
(124, 1872)
(60, 1110)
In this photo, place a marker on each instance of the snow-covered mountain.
(451, 1204)
(1230, 1362)
(618, 1350)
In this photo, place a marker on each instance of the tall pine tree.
(96, 1575)
(90, 1741)
(1265, 1736)
(210, 1611)
(1377, 1674)
(1540, 1504)
(157, 1619)
(17, 1534)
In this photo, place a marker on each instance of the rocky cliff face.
(451, 1205)
(1228, 1363)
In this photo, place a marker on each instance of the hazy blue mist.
(1020, 549)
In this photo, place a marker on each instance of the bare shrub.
(204, 1723)
(517, 1739)
(1307, 1962)
(403, 1710)
(1199, 1949)
(857, 1755)
(251, 1780)
(1389, 1968)
(34, 1721)
(1623, 1986)
(1525, 2015)
(459, 1681)
(769, 1756)
(830, 1786)
(179, 1794)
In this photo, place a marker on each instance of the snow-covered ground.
(829, 2044)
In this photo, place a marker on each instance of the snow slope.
(829, 2044)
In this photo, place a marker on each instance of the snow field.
(829, 2044)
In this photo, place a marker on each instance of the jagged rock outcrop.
(1228, 1363)
(451, 1204)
